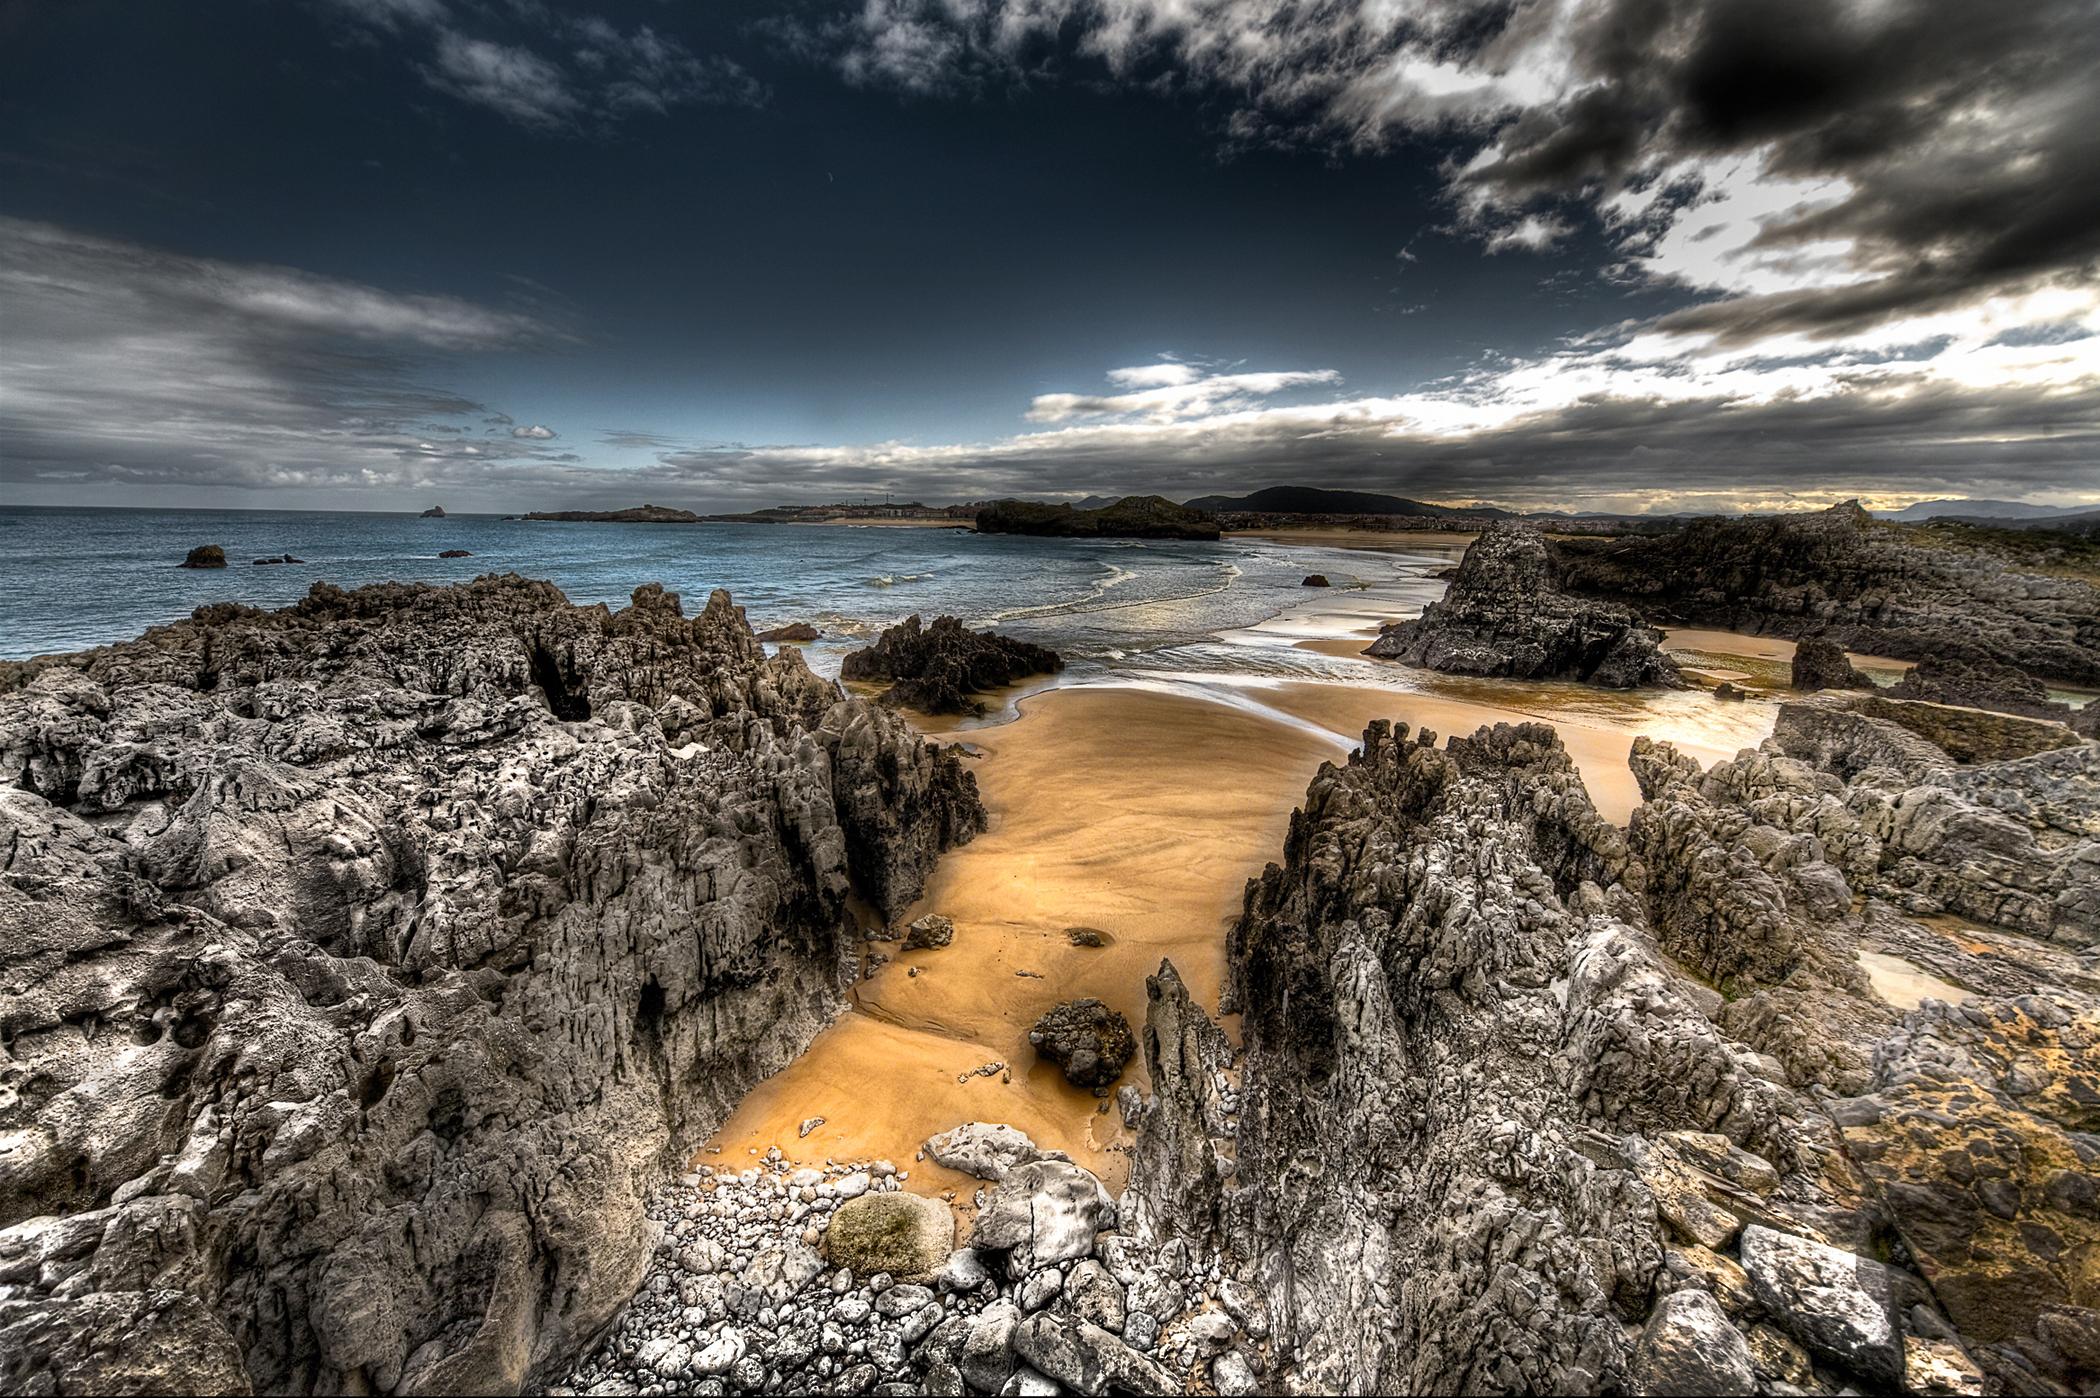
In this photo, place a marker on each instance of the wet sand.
(1128, 810)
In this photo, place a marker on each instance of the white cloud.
(535, 433)
(1178, 391)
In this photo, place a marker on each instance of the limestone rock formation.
(1089, 1042)
(366, 961)
(1821, 663)
(1878, 588)
(937, 669)
(1979, 684)
(1493, 1129)
(1505, 615)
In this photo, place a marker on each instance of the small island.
(1132, 517)
(434, 512)
(633, 514)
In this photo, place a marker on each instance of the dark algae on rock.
(366, 962)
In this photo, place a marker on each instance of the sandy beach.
(1141, 812)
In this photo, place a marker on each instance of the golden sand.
(1135, 812)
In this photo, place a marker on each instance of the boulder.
(988, 1350)
(937, 669)
(1087, 1040)
(1689, 1347)
(454, 553)
(205, 556)
(1043, 1212)
(988, 1150)
(928, 932)
(795, 631)
(1087, 1359)
(1840, 1306)
(280, 558)
(906, 1235)
(1316, 580)
(1820, 663)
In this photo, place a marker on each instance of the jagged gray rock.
(938, 669)
(1505, 615)
(366, 961)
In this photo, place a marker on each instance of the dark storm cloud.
(1966, 132)
(124, 363)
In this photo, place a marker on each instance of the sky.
(1642, 255)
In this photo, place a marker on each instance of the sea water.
(74, 578)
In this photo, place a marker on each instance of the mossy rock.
(906, 1235)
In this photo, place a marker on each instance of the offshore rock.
(1505, 615)
(204, 556)
(937, 669)
(365, 961)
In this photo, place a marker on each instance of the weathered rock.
(1087, 1359)
(905, 1235)
(1821, 663)
(1688, 1347)
(1089, 1042)
(442, 553)
(205, 556)
(1442, 1054)
(988, 1352)
(936, 669)
(1840, 1306)
(1873, 587)
(798, 632)
(419, 930)
(1505, 615)
(120, 1342)
(988, 1150)
(927, 932)
(1176, 1185)
(1043, 1212)
(1317, 580)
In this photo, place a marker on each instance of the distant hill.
(1311, 500)
(1978, 509)
(1096, 502)
(1132, 517)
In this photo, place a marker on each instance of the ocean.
(74, 578)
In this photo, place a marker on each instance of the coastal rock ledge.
(1506, 615)
(364, 964)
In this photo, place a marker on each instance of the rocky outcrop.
(1506, 616)
(633, 514)
(1494, 1129)
(204, 556)
(442, 553)
(798, 632)
(1876, 588)
(938, 669)
(1979, 684)
(1821, 663)
(1132, 517)
(1090, 1043)
(366, 961)
(434, 512)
